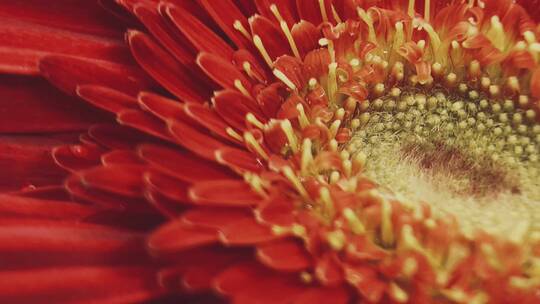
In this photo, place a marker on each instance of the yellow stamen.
(290, 38)
(260, 46)
(275, 11)
(291, 176)
(398, 293)
(289, 133)
(307, 156)
(302, 117)
(327, 203)
(334, 127)
(372, 37)
(336, 239)
(240, 87)
(250, 140)
(240, 27)
(387, 233)
(357, 227)
(232, 133)
(281, 76)
(410, 10)
(332, 81)
(322, 7)
(336, 15)
(254, 121)
(427, 9)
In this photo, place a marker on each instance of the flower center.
(467, 156)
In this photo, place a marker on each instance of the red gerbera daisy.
(308, 151)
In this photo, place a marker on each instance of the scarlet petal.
(106, 98)
(237, 277)
(310, 10)
(192, 139)
(208, 118)
(85, 17)
(42, 243)
(203, 38)
(338, 295)
(233, 108)
(221, 71)
(121, 179)
(115, 136)
(246, 232)
(70, 285)
(224, 192)
(182, 165)
(69, 72)
(171, 39)
(238, 160)
(170, 187)
(271, 36)
(225, 13)
(38, 41)
(166, 70)
(177, 236)
(26, 207)
(120, 157)
(77, 157)
(144, 122)
(215, 217)
(284, 255)
(287, 9)
(31, 105)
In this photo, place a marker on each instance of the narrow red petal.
(120, 179)
(182, 165)
(224, 192)
(221, 71)
(284, 255)
(176, 236)
(203, 38)
(164, 68)
(106, 98)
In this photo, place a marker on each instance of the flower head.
(311, 151)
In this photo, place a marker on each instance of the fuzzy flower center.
(466, 155)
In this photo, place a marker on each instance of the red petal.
(338, 295)
(272, 37)
(221, 71)
(164, 108)
(182, 165)
(171, 39)
(120, 157)
(106, 98)
(73, 285)
(31, 243)
(238, 160)
(284, 255)
(225, 13)
(310, 10)
(177, 236)
(197, 142)
(77, 157)
(115, 136)
(215, 217)
(203, 38)
(165, 69)
(69, 72)
(246, 232)
(171, 188)
(209, 119)
(32, 105)
(26, 207)
(79, 17)
(286, 8)
(120, 179)
(237, 277)
(224, 192)
(38, 41)
(306, 36)
(144, 122)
